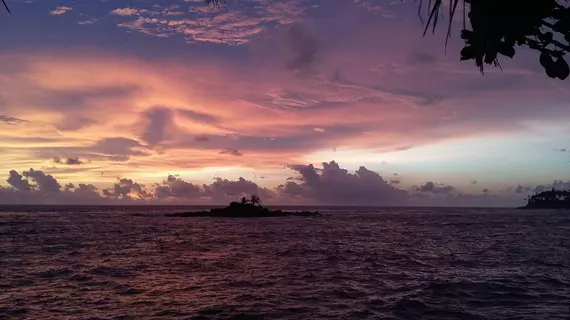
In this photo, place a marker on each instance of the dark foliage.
(553, 199)
(497, 27)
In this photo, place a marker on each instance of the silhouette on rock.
(246, 208)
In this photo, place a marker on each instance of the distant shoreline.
(552, 199)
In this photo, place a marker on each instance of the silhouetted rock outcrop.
(553, 199)
(245, 209)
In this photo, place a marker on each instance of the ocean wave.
(104, 263)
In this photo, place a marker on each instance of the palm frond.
(435, 7)
(6, 6)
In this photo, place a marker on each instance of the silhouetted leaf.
(468, 53)
(548, 37)
(562, 25)
(545, 60)
(466, 34)
(562, 69)
(452, 7)
(490, 57)
(496, 26)
(506, 50)
(551, 72)
(479, 62)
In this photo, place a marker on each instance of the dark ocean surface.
(360, 263)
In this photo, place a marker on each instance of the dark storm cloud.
(557, 185)
(220, 191)
(84, 191)
(158, 121)
(227, 189)
(43, 183)
(333, 184)
(421, 58)
(430, 187)
(302, 45)
(420, 98)
(37, 187)
(522, 189)
(305, 140)
(329, 185)
(202, 138)
(17, 181)
(10, 120)
(123, 188)
(174, 187)
(380, 93)
(28, 139)
(81, 99)
(68, 161)
(74, 123)
(116, 149)
(232, 152)
(198, 116)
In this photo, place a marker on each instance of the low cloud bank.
(326, 185)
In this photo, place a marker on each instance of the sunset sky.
(115, 96)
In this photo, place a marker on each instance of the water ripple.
(370, 263)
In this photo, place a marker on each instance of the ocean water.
(360, 263)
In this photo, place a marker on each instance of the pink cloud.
(326, 185)
(61, 10)
(125, 12)
(162, 108)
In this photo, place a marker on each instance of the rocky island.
(247, 208)
(553, 199)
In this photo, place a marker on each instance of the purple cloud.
(430, 187)
(68, 161)
(232, 152)
(333, 184)
(174, 187)
(158, 121)
(10, 120)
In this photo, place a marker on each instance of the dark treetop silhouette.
(494, 27)
(553, 199)
(246, 208)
